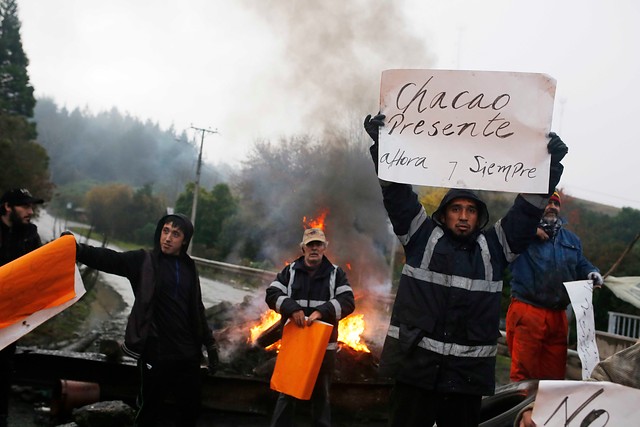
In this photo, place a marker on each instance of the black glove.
(558, 150)
(212, 358)
(372, 125)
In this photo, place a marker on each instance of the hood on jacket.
(462, 193)
(182, 222)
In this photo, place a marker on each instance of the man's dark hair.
(177, 222)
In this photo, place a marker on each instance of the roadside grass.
(63, 327)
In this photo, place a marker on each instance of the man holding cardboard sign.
(311, 288)
(442, 340)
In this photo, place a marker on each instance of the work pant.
(284, 414)
(537, 340)
(6, 376)
(179, 380)
(411, 406)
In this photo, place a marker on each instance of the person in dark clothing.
(441, 343)
(167, 327)
(311, 288)
(18, 236)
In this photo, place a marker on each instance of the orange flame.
(318, 222)
(350, 330)
(268, 319)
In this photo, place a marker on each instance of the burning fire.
(316, 222)
(268, 319)
(350, 330)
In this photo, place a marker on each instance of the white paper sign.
(466, 129)
(581, 295)
(586, 403)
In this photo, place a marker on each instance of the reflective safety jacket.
(444, 324)
(328, 292)
(538, 274)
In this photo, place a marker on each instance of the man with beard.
(537, 320)
(17, 237)
(441, 343)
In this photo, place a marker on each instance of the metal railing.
(237, 269)
(623, 324)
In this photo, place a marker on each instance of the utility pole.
(196, 189)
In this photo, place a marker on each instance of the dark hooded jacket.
(17, 241)
(141, 268)
(444, 324)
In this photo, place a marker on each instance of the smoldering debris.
(240, 356)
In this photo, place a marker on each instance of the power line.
(196, 189)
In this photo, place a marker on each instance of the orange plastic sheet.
(37, 286)
(299, 359)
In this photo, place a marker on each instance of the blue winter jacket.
(538, 274)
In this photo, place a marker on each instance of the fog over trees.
(114, 147)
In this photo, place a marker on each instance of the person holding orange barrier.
(311, 288)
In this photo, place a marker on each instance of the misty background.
(285, 86)
(267, 69)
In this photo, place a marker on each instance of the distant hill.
(114, 147)
(596, 207)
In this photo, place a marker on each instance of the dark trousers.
(178, 380)
(413, 406)
(6, 376)
(284, 414)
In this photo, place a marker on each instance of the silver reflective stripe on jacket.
(424, 274)
(313, 303)
(416, 222)
(449, 349)
(502, 238)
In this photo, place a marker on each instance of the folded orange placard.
(300, 357)
(41, 279)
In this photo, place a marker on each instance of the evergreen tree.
(16, 93)
(23, 162)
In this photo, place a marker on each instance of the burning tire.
(500, 410)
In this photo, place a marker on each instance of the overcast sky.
(267, 68)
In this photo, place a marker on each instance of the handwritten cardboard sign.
(585, 403)
(581, 296)
(466, 129)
